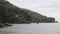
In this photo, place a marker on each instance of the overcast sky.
(45, 7)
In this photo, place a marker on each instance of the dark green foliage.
(13, 14)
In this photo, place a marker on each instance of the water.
(41, 28)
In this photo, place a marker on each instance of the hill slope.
(13, 14)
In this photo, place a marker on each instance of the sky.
(50, 8)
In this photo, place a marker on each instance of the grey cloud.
(41, 3)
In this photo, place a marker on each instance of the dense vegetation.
(13, 14)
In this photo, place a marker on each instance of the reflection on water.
(42, 28)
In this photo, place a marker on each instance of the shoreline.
(2, 25)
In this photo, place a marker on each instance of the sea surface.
(33, 28)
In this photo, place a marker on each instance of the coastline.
(2, 25)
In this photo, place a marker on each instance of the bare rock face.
(2, 25)
(7, 24)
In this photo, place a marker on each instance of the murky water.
(41, 28)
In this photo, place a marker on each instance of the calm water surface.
(41, 28)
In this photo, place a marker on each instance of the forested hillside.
(13, 14)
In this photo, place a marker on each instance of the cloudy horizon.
(49, 8)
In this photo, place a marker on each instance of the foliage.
(13, 14)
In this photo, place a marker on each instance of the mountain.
(13, 14)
